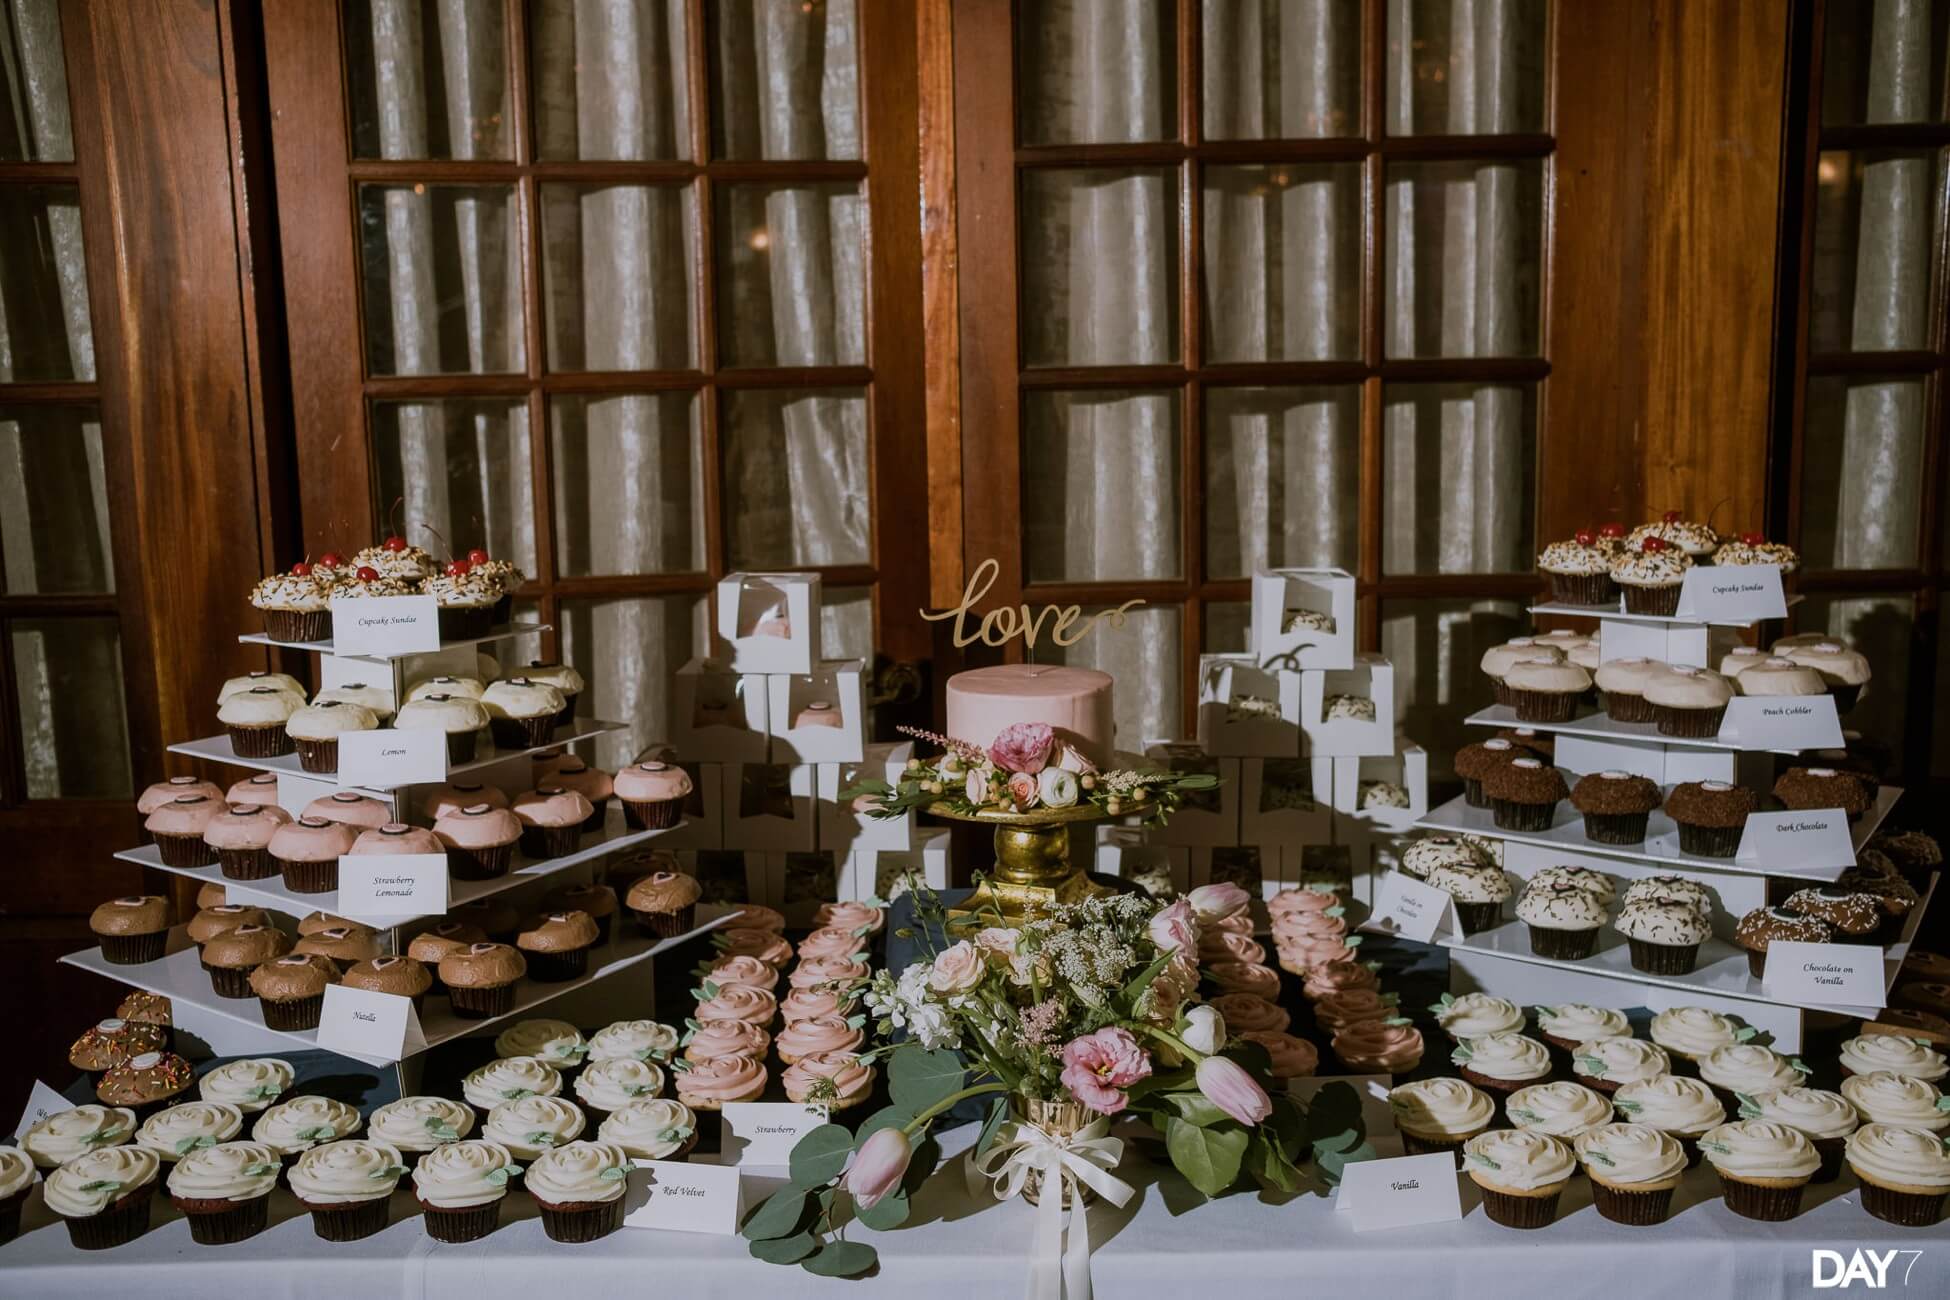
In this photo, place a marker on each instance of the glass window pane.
(628, 475)
(1882, 628)
(74, 731)
(441, 266)
(1097, 71)
(796, 488)
(1459, 478)
(1279, 71)
(1228, 627)
(1462, 259)
(456, 473)
(1862, 472)
(1282, 478)
(846, 623)
(1465, 67)
(785, 79)
(1146, 657)
(46, 334)
(1099, 266)
(1883, 62)
(618, 276)
(428, 80)
(791, 261)
(1877, 228)
(1282, 274)
(54, 500)
(611, 80)
(1100, 485)
(35, 125)
(1437, 648)
(626, 650)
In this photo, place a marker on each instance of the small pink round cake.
(737, 968)
(1075, 702)
(805, 1004)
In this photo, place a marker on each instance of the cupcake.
(104, 1195)
(1523, 794)
(1886, 1097)
(1560, 1110)
(510, 1078)
(254, 720)
(1616, 806)
(1696, 541)
(1498, 660)
(754, 916)
(17, 1180)
(555, 1043)
(592, 783)
(316, 728)
(291, 990)
(1684, 1109)
(637, 1040)
(1521, 1173)
(1904, 1173)
(396, 838)
(737, 968)
(400, 977)
(707, 1039)
(605, 1087)
(866, 919)
(652, 1128)
(240, 836)
(1418, 859)
(1778, 678)
(1472, 761)
(460, 1187)
(131, 930)
(1633, 1171)
(1541, 744)
(1579, 570)
(552, 821)
(1261, 981)
(415, 1126)
(297, 605)
(457, 717)
(1287, 1057)
(1763, 1167)
(664, 902)
(67, 1135)
(1622, 684)
(162, 792)
(652, 794)
(1435, 1116)
(708, 1085)
(1664, 935)
(1500, 1064)
(251, 1084)
(1596, 883)
(177, 828)
(818, 1036)
(224, 1190)
(1563, 920)
(1823, 787)
(737, 1002)
(521, 713)
(837, 941)
(1379, 1047)
(1691, 1034)
(1564, 1026)
(1738, 660)
(1243, 1012)
(1711, 816)
(307, 852)
(465, 601)
(481, 979)
(579, 1189)
(1754, 548)
(396, 559)
(1608, 1064)
(108, 1043)
(1651, 576)
(1855, 917)
(348, 1186)
(494, 918)
(1475, 1014)
(1544, 690)
(345, 945)
(1824, 1118)
(1895, 896)
(230, 957)
(528, 1126)
(444, 800)
(565, 679)
(210, 894)
(1843, 671)
(1683, 889)
(1762, 926)
(210, 922)
(1746, 1070)
(377, 698)
(1334, 977)
(295, 1126)
(480, 841)
(1867, 1053)
(557, 948)
(1688, 702)
(259, 789)
(836, 1080)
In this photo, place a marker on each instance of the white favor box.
(837, 684)
(1371, 848)
(719, 715)
(1371, 676)
(1227, 681)
(798, 883)
(1206, 816)
(846, 831)
(1407, 767)
(769, 807)
(1257, 869)
(783, 602)
(1276, 592)
(1130, 852)
(1286, 801)
(876, 873)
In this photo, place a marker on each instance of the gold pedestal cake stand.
(1032, 862)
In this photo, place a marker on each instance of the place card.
(392, 884)
(1732, 593)
(764, 1132)
(1790, 722)
(1807, 837)
(1830, 974)
(1402, 1192)
(385, 627)
(388, 757)
(679, 1196)
(368, 1025)
(1409, 908)
(41, 1102)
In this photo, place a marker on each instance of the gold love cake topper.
(1001, 626)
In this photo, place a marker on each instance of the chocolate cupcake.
(110, 1043)
(1579, 570)
(1502, 1064)
(230, 957)
(429, 946)
(1546, 690)
(291, 990)
(307, 851)
(1651, 577)
(1540, 744)
(1762, 926)
(1843, 671)
(225, 1190)
(1874, 874)
(1563, 919)
(254, 720)
(521, 713)
(1472, 761)
(347, 1185)
(652, 794)
(210, 922)
(346, 945)
(146, 1083)
(1616, 806)
(131, 930)
(1853, 915)
(104, 1196)
(1711, 815)
(557, 949)
(1823, 787)
(240, 836)
(1688, 702)
(316, 728)
(1914, 853)
(599, 901)
(480, 841)
(481, 979)
(402, 977)
(1523, 794)
(665, 903)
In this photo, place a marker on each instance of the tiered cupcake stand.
(234, 1026)
(1500, 960)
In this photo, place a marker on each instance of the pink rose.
(1173, 929)
(1217, 902)
(957, 969)
(1226, 1085)
(1098, 1067)
(1023, 789)
(1023, 747)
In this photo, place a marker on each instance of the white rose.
(977, 786)
(1205, 1030)
(1057, 786)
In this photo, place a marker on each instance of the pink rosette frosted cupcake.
(652, 794)
(240, 836)
(805, 1004)
(1298, 927)
(815, 1037)
(757, 916)
(1337, 977)
(1244, 977)
(1378, 1047)
(1293, 1058)
(764, 945)
(833, 941)
(737, 968)
(1337, 1011)
(738, 1002)
(1300, 902)
(361, 812)
(1222, 945)
(1245, 1013)
(708, 1085)
(1302, 955)
(863, 917)
(480, 841)
(714, 1038)
(836, 1080)
(308, 850)
(820, 972)
(552, 821)
(1237, 923)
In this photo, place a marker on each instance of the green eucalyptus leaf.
(820, 1155)
(918, 1078)
(784, 1250)
(777, 1215)
(1209, 1158)
(841, 1259)
(888, 1212)
(886, 1117)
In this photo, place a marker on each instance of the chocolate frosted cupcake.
(652, 794)
(1853, 915)
(177, 828)
(1651, 577)
(1579, 570)
(316, 729)
(108, 1043)
(480, 841)
(1523, 794)
(307, 851)
(402, 977)
(1904, 1173)
(230, 957)
(240, 836)
(254, 720)
(552, 821)
(599, 901)
(1633, 1170)
(481, 979)
(1688, 702)
(1546, 690)
(1563, 920)
(665, 903)
(1521, 1174)
(1664, 935)
(146, 1083)
(1616, 806)
(1762, 926)
(131, 930)
(210, 922)
(346, 945)
(1803, 788)
(1711, 816)
(1472, 761)
(557, 949)
(1764, 1167)
(1874, 874)
(291, 990)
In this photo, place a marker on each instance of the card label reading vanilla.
(1402, 1192)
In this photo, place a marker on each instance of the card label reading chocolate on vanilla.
(385, 627)
(1732, 593)
(1826, 974)
(684, 1196)
(1406, 907)
(764, 1132)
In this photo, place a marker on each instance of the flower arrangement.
(1091, 1004)
(1026, 767)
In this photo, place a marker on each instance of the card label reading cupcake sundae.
(1732, 593)
(1825, 974)
(385, 627)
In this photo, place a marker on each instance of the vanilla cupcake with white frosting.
(1886, 1097)
(1824, 1118)
(68, 1134)
(1763, 1167)
(1521, 1173)
(461, 1186)
(416, 1125)
(530, 1125)
(178, 1130)
(1436, 1115)
(250, 1084)
(1691, 1034)
(17, 1178)
(1914, 1057)
(651, 1128)
(1608, 1064)
(1674, 1104)
(607, 1086)
(1563, 1110)
(1633, 1170)
(552, 1042)
(296, 1126)
(510, 1079)
(1749, 1069)
(1905, 1174)
(640, 1040)
(1475, 1014)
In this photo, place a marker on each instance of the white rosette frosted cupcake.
(1475, 1014)
(1904, 1172)
(417, 1125)
(1500, 1064)
(293, 1127)
(224, 1190)
(554, 1043)
(1886, 1097)
(1674, 1104)
(1691, 1034)
(640, 1040)
(17, 1178)
(1763, 1167)
(67, 1134)
(1742, 1070)
(1563, 1027)
(1868, 1053)
(652, 1128)
(178, 1130)
(605, 1087)
(1439, 1115)
(1610, 1063)
(348, 1186)
(1559, 1110)
(1521, 1173)
(509, 1079)
(579, 1189)
(104, 1195)
(528, 1126)
(251, 1084)
(1824, 1118)
(1633, 1170)
(460, 1187)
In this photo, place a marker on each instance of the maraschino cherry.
(477, 556)
(1653, 544)
(301, 570)
(1584, 537)
(331, 559)
(395, 543)
(1752, 539)
(458, 568)
(1671, 516)
(368, 574)
(1611, 530)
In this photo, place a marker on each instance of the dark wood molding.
(940, 297)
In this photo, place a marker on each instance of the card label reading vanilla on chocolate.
(385, 627)
(1732, 593)
(1790, 722)
(1406, 907)
(684, 1196)
(764, 1132)
(1826, 974)
(1402, 1192)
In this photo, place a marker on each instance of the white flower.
(977, 786)
(949, 768)
(934, 1027)
(1071, 759)
(1205, 1029)
(1057, 786)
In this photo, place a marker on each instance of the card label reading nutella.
(1732, 593)
(1406, 907)
(388, 758)
(1791, 722)
(369, 1026)
(1402, 1192)
(385, 627)
(391, 885)
(764, 1132)
(682, 1196)
(1825, 974)
(1814, 838)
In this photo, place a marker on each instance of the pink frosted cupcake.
(240, 836)
(442, 800)
(756, 916)
(708, 1085)
(1293, 1058)
(738, 1002)
(714, 1038)
(766, 945)
(833, 941)
(397, 837)
(665, 903)
(1225, 946)
(592, 783)
(1337, 977)
(360, 812)
(737, 968)
(258, 790)
(836, 1080)
(552, 820)
(1244, 977)
(1302, 955)
(825, 972)
(162, 792)
(652, 794)
(308, 850)
(863, 918)
(1245, 1013)
(1337, 1011)
(806, 1004)
(1295, 927)
(480, 841)
(1377, 1047)
(1294, 902)
(815, 1037)
(178, 826)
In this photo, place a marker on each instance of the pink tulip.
(877, 1167)
(1227, 1085)
(1214, 903)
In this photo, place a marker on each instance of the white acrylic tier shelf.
(180, 977)
(1661, 846)
(506, 632)
(1602, 726)
(1617, 610)
(271, 892)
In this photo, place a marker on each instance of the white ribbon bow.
(1058, 1268)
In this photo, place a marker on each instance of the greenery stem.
(920, 1121)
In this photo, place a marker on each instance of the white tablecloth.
(1163, 1244)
